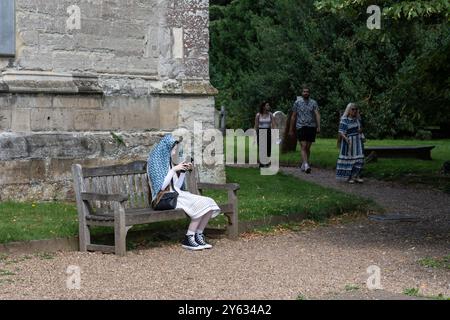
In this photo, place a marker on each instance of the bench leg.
(84, 233)
(84, 236)
(233, 224)
(425, 155)
(120, 231)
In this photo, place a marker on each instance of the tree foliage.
(393, 9)
(267, 49)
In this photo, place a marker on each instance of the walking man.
(306, 117)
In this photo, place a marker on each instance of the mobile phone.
(188, 159)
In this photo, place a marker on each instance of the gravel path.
(321, 263)
(430, 207)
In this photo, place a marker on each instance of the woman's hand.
(190, 166)
(181, 167)
(347, 140)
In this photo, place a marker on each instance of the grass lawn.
(281, 194)
(32, 221)
(259, 196)
(324, 154)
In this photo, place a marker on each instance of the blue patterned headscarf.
(158, 163)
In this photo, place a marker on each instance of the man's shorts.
(307, 134)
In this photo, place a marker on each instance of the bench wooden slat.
(103, 197)
(157, 216)
(104, 189)
(96, 188)
(154, 215)
(110, 184)
(125, 169)
(137, 194)
(118, 183)
(138, 188)
(95, 223)
(138, 216)
(137, 211)
(126, 181)
(109, 181)
(87, 184)
(131, 191)
(145, 190)
(123, 188)
(102, 248)
(115, 184)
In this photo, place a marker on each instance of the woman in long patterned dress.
(351, 157)
(164, 174)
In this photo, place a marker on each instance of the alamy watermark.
(74, 20)
(374, 20)
(73, 281)
(374, 280)
(205, 146)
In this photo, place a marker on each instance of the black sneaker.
(200, 239)
(307, 169)
(190, 243)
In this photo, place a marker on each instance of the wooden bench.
(419, 152)
(120, 197)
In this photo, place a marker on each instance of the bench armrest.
(103, 197)
(213, 186)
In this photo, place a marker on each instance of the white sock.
(190, 233)
(199, 231)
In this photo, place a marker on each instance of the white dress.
(195, 206)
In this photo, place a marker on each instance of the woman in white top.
(164, 174)
(264, 121)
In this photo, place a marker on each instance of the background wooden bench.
(419, 152)
(120, 197)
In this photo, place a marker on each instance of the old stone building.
(77, 74)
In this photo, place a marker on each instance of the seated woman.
(165, 175)
(351, 157)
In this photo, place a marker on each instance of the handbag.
(166, 200)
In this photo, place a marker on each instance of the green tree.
(266, 49)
